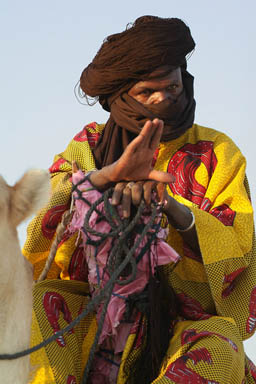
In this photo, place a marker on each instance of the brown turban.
(126, 58)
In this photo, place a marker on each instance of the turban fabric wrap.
(131, 56)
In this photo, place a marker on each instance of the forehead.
(163, 71)
(159, 78)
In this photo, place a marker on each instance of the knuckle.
(119, 187)
(137, 187)
(127, 191)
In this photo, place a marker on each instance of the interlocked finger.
(126, 201)
(118, 193)
(137, 190)
(126, 194)
(148, 187)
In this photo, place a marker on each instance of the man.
(140, 76)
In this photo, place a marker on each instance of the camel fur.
(16, 279)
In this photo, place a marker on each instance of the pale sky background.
(44, 46)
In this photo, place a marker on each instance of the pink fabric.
(160, 253)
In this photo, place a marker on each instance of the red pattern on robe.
(224, 214)
(230, 281)
(252, 369)
(56, 165)
(54, 304)
(51, 220)
(71, 380)
(86, 135)
(191, 309)
(251, 321)
(192, 335)
(78, 268)
(184, 164)
(178, 372)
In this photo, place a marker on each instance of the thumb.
(162, 177)
(161, 192)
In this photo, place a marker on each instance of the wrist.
(108, 172)
(167, 205)
(100, 179)
(190, 226)
(179, 216)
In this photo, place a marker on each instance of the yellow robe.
(217, 290)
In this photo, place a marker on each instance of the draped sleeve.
(211, 181)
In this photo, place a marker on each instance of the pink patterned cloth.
(160, 253)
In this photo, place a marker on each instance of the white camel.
(16, 204)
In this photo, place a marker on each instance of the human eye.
(172, 87)
(146, 92)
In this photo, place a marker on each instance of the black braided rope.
(119, 258)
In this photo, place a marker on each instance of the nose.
(163, 95)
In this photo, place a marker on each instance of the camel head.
(27, 196)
